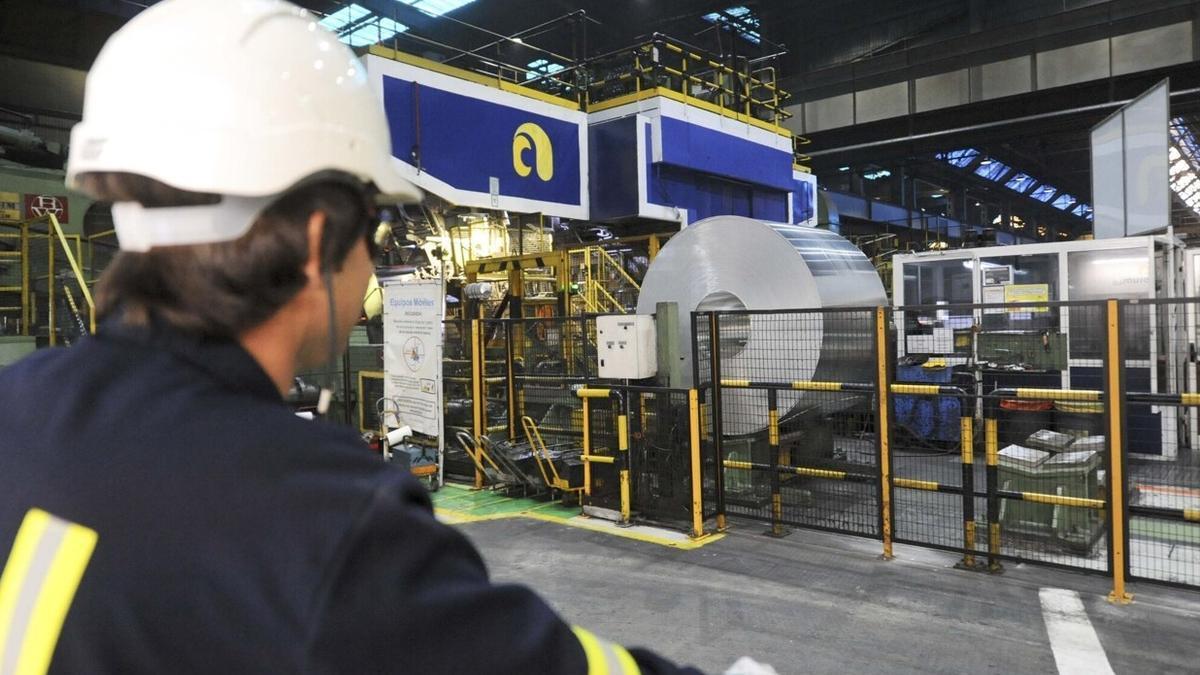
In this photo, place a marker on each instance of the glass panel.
(1063, 202)
(1025, 278)
(437, 7)
(1043, 193)
(992, 170)
(1020, 182)
(960, 158)
(744, 22)
(1123, 274)
(928, 283)
(344, 16)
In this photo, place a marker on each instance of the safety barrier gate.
(1036, 446)
(524, 398)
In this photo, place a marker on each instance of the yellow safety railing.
(602, 278)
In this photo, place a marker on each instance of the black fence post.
(714, 357)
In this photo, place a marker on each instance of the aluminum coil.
(736, 263)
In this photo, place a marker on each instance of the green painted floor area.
(467, 501)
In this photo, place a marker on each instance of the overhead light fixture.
(876, 175)
(843, 168)
(518, 40)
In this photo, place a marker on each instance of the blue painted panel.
(612, 169)
(704, 196)
(464, 141)
(721, 154)
(802, 201)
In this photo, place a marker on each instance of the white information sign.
(412, 354)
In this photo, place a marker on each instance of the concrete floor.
(821, 603)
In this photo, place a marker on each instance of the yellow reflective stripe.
(15, 570)
(1192, 514)
(1189, 399)
(604, 657)
(625, 661)
(36, 590)
(735, 383)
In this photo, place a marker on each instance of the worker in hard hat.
(166, 511)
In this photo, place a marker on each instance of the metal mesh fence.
(660, 454)
(457, 396)
(1162, 465)
(550, 357)
(998, 431)
(797, 428)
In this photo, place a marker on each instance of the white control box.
(626, 347)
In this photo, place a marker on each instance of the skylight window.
(1082, 210)
(1020, 183)
(1184, 155)
(1063, 202)
(542, 67)
(739, 19)
(436, 7)
(358, 27)
(992, 170)
(1043, 193)
(960, 158)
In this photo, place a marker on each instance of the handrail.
(612, 261)
(613, 303)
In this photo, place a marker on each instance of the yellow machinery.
(566, 282)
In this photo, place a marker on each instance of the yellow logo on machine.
(530, 136)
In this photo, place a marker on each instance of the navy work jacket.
(230, 536)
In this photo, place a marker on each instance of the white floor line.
(1077, 649)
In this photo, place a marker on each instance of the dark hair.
(224, 289)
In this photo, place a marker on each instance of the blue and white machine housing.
(653, 154)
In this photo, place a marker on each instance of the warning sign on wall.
(37, 206)
(10, 206)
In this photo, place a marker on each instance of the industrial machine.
(1051, 346)
(733, 264)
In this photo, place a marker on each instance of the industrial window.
(358, 27)
(1184, 155)
(436, 7)
(992, 170)
(738, 19)
(1082, 210)
(1064, 201)
(960, 158)
(542, 67)
(1021, 182)
(1043, 193)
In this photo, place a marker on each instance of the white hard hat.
(241, 98)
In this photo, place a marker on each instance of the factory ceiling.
(828, 47)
